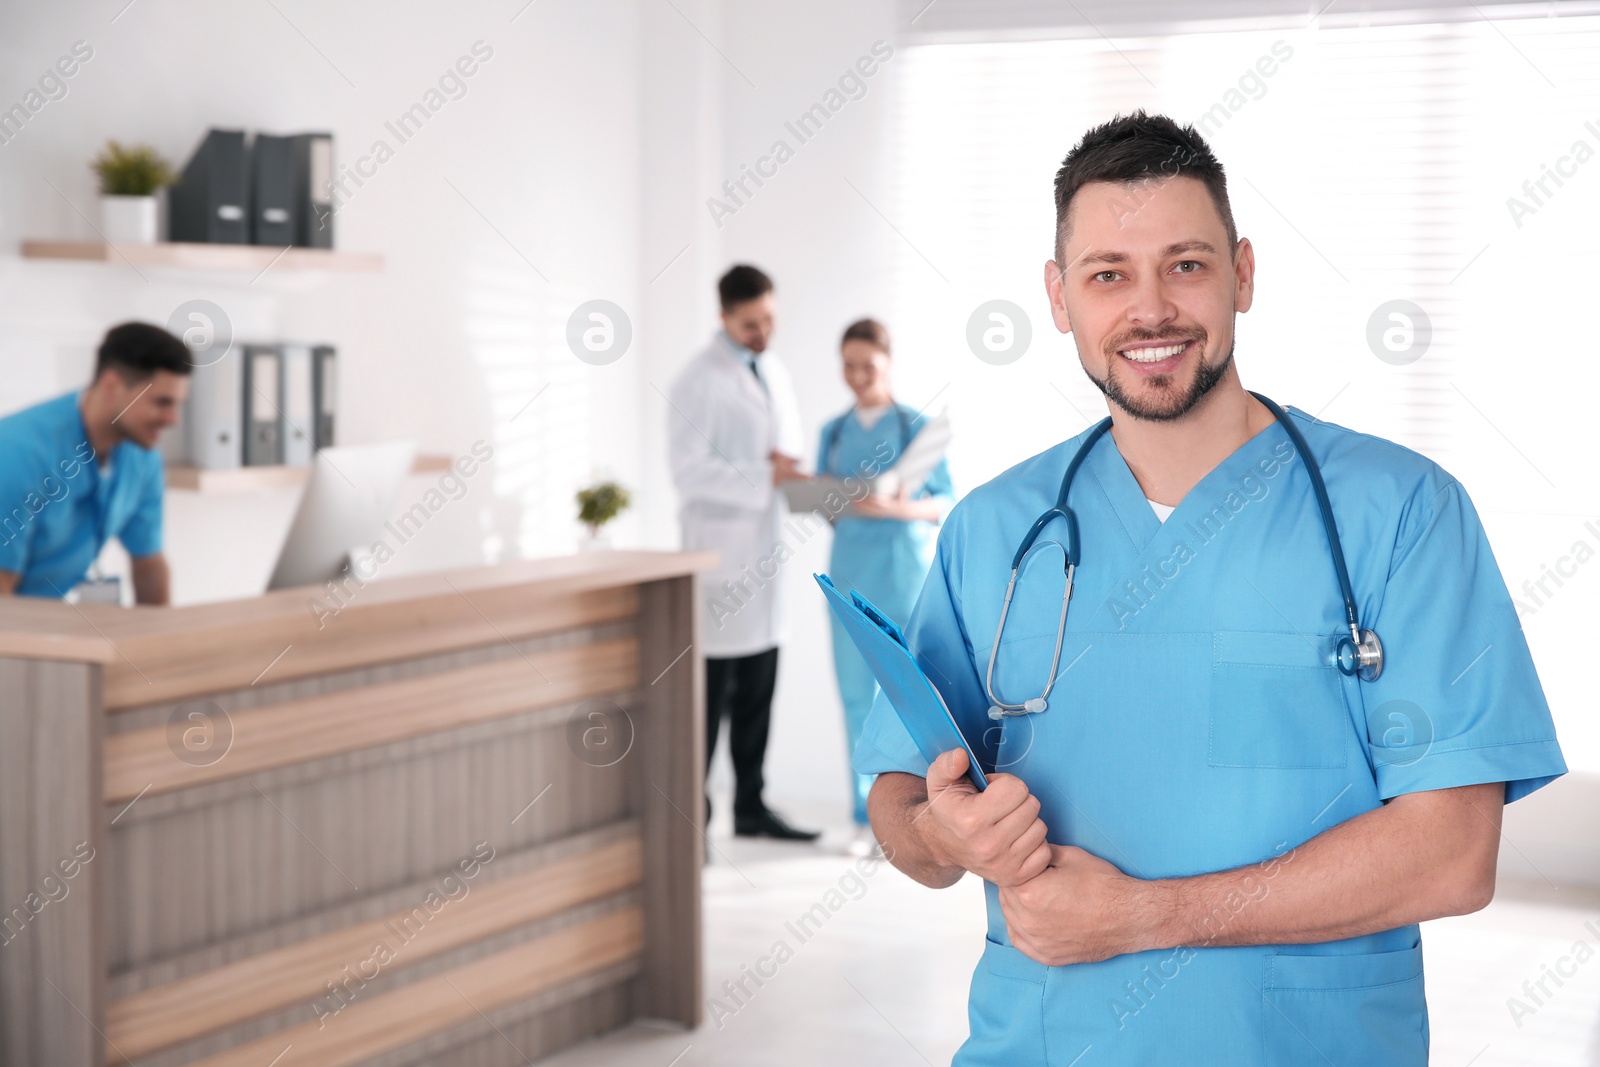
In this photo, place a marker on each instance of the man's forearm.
(150, 580)
(895, 806)
(1421, 856)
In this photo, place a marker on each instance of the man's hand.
(996, 834)
(151, 580)
(1080, 910)
(785, 468)
(1421, 856)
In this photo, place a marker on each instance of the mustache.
(1133, 337)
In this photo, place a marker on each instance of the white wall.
(828, 252)
(681, 255)
(458, 332)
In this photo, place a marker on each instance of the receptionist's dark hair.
(1136, 148)
(136, 350)
(742, 283)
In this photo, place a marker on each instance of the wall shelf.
(206, 256)
(247, 479)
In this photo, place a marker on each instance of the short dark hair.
(743, 282)
(136, 350)
(871, 331)
(1136, 148)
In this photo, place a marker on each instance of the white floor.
(883, 981)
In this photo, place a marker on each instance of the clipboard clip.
(878, 618)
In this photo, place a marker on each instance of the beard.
(1163, 399)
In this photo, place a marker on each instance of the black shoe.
(770, 824)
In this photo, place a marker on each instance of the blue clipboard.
(918, 701)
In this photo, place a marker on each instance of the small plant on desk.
(598, 505)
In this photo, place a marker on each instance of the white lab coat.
(722, 427)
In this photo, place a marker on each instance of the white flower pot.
(128, 220)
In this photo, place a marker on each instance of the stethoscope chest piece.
(1363, 657)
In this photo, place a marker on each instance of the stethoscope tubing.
(1360, 654)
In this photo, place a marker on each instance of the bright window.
(1372, 164)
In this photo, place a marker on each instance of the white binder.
(263, 406)
(212, 415)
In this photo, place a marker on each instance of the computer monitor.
(352, 492)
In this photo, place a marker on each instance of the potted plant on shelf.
(598, 505)
(129, 180)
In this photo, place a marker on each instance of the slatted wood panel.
(269, 690)
(52, 934)
(217, 949)
(154, 665)
(526, 1033)
(308, 829)
(143, 761)
(368, 1028)
(669, 780)
(212, 873)
(185, 1009)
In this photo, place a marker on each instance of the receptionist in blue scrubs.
(80, 469)
(1250, 683)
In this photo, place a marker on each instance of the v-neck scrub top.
(1199, 724)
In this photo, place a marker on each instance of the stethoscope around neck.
(831, 446)
(1360, 654)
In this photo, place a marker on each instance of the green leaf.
(136, 170)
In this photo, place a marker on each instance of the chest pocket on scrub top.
(1277, 701)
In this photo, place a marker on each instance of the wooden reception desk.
(449, 818)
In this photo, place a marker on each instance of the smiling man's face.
(1148, 290)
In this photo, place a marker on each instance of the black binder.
(313, 189)
(210, 200)
(272, 195)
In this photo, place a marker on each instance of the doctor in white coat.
(734, 438)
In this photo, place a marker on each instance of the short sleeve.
(822, 446)
(141, 534)
(1458, 702)
(938, 486)
(938, 639)
(16, 517)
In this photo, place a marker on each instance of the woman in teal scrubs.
(882, 546)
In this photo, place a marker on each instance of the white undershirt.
(1162, 510)
(868, 417)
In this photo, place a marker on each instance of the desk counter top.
(156, 654)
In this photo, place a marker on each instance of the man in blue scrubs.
(81, 469)
(1211, 846)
